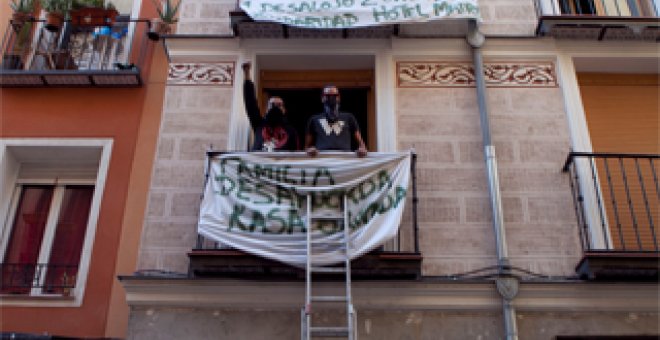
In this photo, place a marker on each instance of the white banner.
(356, 13)
(257, 202)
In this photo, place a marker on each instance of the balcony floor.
(230, 263)
(73, 78)
(619, 266)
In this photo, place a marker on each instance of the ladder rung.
(329, 298)
(333, 332)
(328, 270)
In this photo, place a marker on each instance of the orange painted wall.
(129, 117)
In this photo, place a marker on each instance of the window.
(49, 209)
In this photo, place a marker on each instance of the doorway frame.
(383, 81)
(311, 79)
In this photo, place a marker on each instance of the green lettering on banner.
(295, 221)
(323, 172)
(258, 222)
(243, 188)
(235, 219)
(258, 190)
(273, 216)
(224, 190)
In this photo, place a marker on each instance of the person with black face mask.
(272, 132)
(333, 129)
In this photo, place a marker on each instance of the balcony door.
(622, 116)
(301, 92)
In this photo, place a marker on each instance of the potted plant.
(88, 13)
(167, 11)
(23, 10)
(13, 59)
(55, 13)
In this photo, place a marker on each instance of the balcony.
(599, 19)
(399, 258)
(617, 202)
(37, 279)
(74, 55)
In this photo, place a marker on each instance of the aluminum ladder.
(308, 330)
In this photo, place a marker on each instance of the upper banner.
(356, 13)
(259, 203)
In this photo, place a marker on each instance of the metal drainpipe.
(506, 284)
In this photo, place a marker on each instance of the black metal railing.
(30, 48)
(608, 8)
(26, 279)
(406, 240)
(617, 200)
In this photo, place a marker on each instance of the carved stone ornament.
(201, 74)
(507, 286)
(461, 74)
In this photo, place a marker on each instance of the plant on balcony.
(56, 11)
(14, 57)
(167, 11)
(23, 10)
(87, 13)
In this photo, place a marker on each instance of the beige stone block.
(521, 126)
(213, 10)
(423, 100)
(170, 234)
(188, 11)
(173, 98)
(178, 175)
(454, 266)
(544, 151)
(440, 152)
(498, 100)
(533, 180)
(551, 209)
(522, 10)
(195, 148)
(148, 259)
(478, 210)
(454, 125)
(439, 210)
(464, 100)
(205, 27)
(550, 266)
(198, 98)
(165, 148)
(527, 28)
(543, 239)
(461, 240)
(192, 123)
(176, 261)
(156, 205)
(473, 152)
(185, 205)
(535, 101)
(466, 180)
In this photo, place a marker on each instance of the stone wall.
(500, 17)
(200, 324)
(194, 118)
(530, 133)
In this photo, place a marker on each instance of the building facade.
(74, 129)
(535, 210)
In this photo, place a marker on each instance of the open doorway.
(299, 80)
(302, 103)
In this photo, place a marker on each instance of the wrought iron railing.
(406, 240)
(31, 278)
(31, 47)
(607, 8)
(617, 200)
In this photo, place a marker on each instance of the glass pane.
(68, 241)
(18, 265)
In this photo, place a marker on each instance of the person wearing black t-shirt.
(332, 129)
(272, 132)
